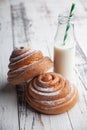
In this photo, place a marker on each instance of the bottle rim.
(64, 18)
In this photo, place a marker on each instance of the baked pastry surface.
(26, 63)
(50, 93)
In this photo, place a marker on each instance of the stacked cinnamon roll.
(26, 63)
(50, 93)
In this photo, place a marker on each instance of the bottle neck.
(61, 30)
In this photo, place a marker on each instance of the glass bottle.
(64, 52)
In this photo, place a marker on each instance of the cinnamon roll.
(25, 63)
(50, 93)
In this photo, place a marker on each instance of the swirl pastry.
(50, 93)
(26, 63)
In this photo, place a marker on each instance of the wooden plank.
(81, 64)
(83, 74)
(8, 109)
(19, 25)
(78, 115)
(30, 119)
(43, 17)
(8, 98)
(80, 33)
(77, 119)
(81, 39)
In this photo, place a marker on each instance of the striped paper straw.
(68, 24)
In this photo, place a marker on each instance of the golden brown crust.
(50, 93)
(25, 64)
(26, 60)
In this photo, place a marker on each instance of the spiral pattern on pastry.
(50, 93)
(25, 63)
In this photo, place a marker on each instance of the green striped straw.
(68, 24)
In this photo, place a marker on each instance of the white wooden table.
(34, 22)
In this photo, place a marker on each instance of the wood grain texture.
(34, 24)
(8, 97)
(75, 114)
(38, 40)
(37, 120)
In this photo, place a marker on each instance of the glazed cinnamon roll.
(50, 93)
(25, 63)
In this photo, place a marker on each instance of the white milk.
(64, 60)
